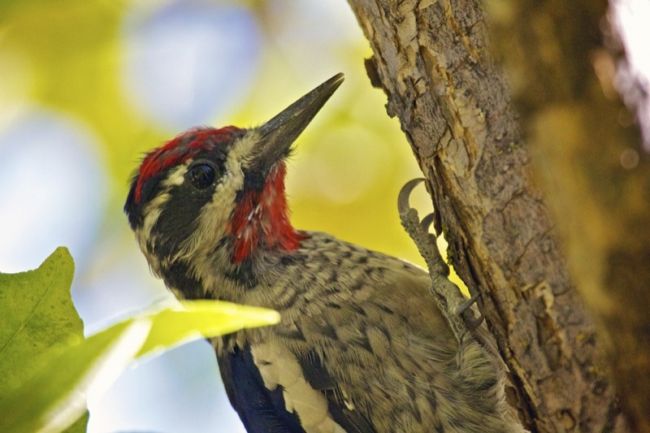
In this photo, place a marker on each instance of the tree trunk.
(431, 59)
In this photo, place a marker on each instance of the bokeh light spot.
(188, 62)
(630, 20)
(342, 168)
(53, 190)
(629, 159)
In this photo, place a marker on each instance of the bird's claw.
(427, 221)
(403, 205)
(405, 210)
(464, 310)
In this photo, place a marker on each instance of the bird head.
(218, 193)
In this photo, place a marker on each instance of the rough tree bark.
(431, 58)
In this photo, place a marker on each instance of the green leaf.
(79, 426)
(196, 319)
(55, 397)
(37, 317)
(50, 367)
(45, 362)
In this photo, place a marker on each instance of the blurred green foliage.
(68, 56)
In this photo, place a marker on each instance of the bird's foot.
(455, 307)
(418, 229)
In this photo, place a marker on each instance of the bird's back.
(361, 348)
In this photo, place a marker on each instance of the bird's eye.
(202, 175)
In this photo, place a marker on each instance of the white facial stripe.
(154, 207)
(177, 177)
(241, 151)
(152, 212)
(214, 216)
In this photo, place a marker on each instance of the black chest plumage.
(260, 409)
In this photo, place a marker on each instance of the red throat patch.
(178, 150)
(262, 219)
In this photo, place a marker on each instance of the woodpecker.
(361, 347)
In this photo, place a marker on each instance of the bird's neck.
(261, 220)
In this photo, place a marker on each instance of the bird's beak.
(278, 134)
